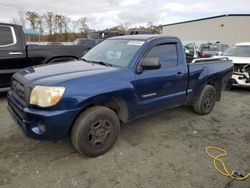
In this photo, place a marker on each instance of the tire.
(206, 101)
(95, 131)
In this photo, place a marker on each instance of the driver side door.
(165, 87)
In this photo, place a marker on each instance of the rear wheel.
(206, 101)
(95, 131)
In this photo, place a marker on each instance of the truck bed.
(48, 51)
(206, 68)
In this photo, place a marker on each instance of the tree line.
(57, 27)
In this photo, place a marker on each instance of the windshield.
(114, 52)
(210, 47)
(238, 51)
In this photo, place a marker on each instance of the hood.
(238, 60)
(54, 74)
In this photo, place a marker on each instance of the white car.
(240, 55)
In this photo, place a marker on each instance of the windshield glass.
(114, 52)
(210, 47)
(238, 51)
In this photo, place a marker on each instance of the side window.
(6, 37)
(167, 54)
(189, 48)
(224, 47)
(87, 43)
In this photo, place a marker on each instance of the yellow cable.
(216, 159)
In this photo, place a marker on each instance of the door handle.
(179, 75)
(15, 53)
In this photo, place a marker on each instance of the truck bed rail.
(208, 59)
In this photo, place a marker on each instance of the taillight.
(203, 55)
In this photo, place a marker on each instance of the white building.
(229, 29)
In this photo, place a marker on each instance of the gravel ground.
(163, 150)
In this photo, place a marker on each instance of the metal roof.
(208, 18)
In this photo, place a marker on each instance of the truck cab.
(15, 54)
(12, 52)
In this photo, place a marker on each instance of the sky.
(103, 14)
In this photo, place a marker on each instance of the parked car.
(212, 49)
(94, 38)
(103, 34)
(138, 32)
(191, 51)
(16, 55)
(119, 80)
(240, 55)
(87, 43)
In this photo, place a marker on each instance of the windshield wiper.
(97, 62)
(87, 61)
(101, 63)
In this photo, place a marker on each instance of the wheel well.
(118, 105)
(217, 83)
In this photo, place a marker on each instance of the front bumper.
(40, 124)
(240, 79)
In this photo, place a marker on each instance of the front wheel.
(95, 131)
(206, 101)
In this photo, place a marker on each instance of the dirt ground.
(163, 150)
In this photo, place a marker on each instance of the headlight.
(45, 96)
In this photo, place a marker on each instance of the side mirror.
(150, 63)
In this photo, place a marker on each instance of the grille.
(238, 67)
(18, 89)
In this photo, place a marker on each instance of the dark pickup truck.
(119, 80)
(16, 55)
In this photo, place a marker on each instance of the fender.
(126, 99)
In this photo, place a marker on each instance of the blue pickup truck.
(119, 80)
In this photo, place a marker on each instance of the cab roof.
(8, 24)
(141, 37)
